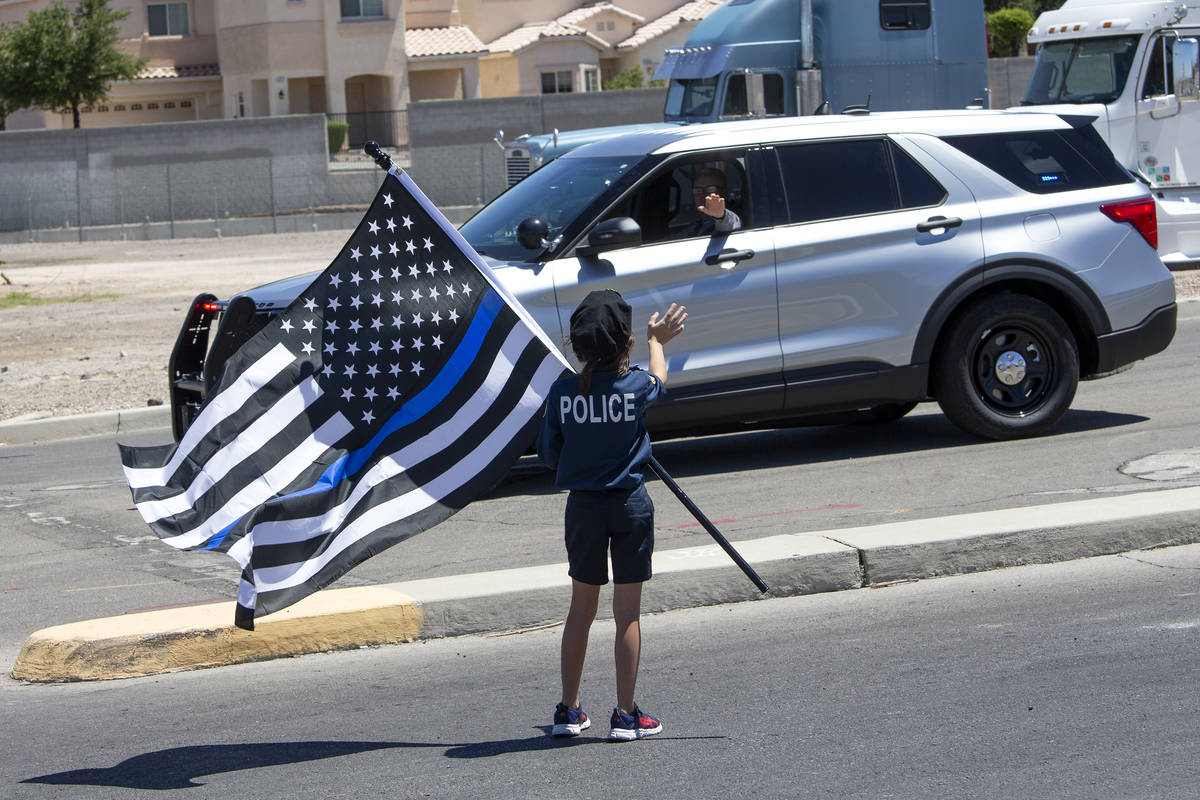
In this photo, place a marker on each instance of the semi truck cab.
(1136, 66)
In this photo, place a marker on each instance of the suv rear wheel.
(1007, 367)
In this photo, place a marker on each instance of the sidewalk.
(794, 564)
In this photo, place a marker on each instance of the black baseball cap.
(601, 324)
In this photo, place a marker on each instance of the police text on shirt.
(590, 408)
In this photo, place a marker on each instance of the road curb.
(505, 600)
(172, 640)
(51, 429)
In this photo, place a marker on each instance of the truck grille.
(517, 168)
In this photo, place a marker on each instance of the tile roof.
(452, 40)
(585, 13)
(532, 32)
(179, 71)
(693, 11)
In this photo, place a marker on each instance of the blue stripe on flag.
(420, 405)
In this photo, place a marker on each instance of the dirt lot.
(111, 353)
(77, 355)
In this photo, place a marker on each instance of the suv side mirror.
(610, 235)
(1186, 56)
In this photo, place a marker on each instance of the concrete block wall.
(124, 181)
(183, 170)
(1007, 78)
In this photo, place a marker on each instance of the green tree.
(632, 78)
(1032, 7)
(66, 58)
(1007, 29)
(14, 82)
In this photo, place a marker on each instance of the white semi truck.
(1135, 65)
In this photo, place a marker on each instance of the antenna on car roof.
(372, 148)
(864, 108)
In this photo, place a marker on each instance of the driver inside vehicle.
(689, 200)
(708, 213)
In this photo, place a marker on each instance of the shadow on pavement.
(794, 445)
(544, 742)
(179, 767)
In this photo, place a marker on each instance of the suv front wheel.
(1007, 368)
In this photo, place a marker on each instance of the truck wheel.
(1007, 367)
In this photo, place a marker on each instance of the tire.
(1006, 368)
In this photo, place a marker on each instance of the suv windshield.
(1081, 71)
(692, 97)
(557, 194)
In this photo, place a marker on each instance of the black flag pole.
(384, 161)
(708, 526)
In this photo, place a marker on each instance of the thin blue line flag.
(401, 385)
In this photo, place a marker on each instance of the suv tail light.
(1141, 214)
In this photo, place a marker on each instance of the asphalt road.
(76, 550)
(1074, 680)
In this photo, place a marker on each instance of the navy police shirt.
(598, 440)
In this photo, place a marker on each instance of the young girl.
(595, 437)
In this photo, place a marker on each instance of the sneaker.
(569, 721)
(626, 727)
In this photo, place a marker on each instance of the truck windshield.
(558, 194)
(690, 97)
(1081, 71)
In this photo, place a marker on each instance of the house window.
(241, 105)
(168, 104)
(136, 107)
(904, 15)
(152, 106)
(556, 82)
(362, 8)
(102, 109)
(185, 103)
(591, 80)
(167, 19)
(119, 107)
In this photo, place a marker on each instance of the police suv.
(985, 260)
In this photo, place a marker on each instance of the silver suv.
(988, 260)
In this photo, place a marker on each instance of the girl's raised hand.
(667, 327)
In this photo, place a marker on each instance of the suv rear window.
(828, 180)
(1046, 161)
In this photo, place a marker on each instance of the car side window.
(917, 187)
(827, 180)
(1159, 69)
(665, 205)
(1046, 161)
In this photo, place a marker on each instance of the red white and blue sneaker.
(627, 727)
(569, 721)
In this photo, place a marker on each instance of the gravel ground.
(103, 341)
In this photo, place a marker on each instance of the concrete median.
(792, 564)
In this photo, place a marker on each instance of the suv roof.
(748, 132)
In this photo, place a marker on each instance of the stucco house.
(365, 60)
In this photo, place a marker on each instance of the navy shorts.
(618, 520)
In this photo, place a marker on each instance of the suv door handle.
(933, 223)
(729, 254)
